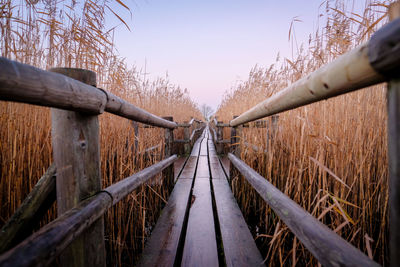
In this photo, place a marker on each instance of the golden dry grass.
(69, 34)
(329, 157)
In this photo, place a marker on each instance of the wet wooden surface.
(178, 165)
(239, 246)
(161, 249)
(200, 247)
(185, 234)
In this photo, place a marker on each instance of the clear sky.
(209, 46)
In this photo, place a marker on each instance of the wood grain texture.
(393, 107)
(127, 185)
(178, 166)
(76, 153)
(24, 83)
(200, 248)
(350, 71)
(384, 49)
(28, 215)
(41, 248)
(329, 248)
(393, 96)
(203, 170)
(190, 168)
(239, 246)
(162, 246)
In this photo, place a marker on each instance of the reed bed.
(70, 34)
(329, 157)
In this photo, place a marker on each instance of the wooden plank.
(121, 189)
(365, 65)
(76, 152)
(41, 248)
(329, 248)
(190, 168)
(202, 168)
(28, 215)
(393, 97)
(217, 171)
(178, 166)
(239, 246)
(23, 83)
(393, 107)
(226, 164)
(162, 246)
(196, 148)
(200, 248)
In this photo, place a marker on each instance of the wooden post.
(135, 125)
(236, 133)
(393, 106)
(168, 150)
(271, 129)
(76, 151)
(186, 137)
(220, 137)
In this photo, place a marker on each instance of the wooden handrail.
(329, 248)
(24, 83)
(363, 66)
(42, 247)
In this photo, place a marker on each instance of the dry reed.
(329, 157)
(70, 34)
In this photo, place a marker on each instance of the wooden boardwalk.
(202, 224)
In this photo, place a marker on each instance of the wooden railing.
(74, 180)
(376, 61)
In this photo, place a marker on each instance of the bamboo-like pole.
(358, 68)
(329, 248)
(24, 83)
(41, 248)
(21, 223)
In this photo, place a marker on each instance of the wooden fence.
(74, 180)
(376, 61)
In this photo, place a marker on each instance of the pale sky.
(209, 46)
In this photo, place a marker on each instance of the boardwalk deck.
(201, 225)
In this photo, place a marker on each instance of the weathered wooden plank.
(76, 152)
(239, 246)
(127, 185)
(196, 148)
(23, 83)
(27, 216)
(356, 69)
(41, 248)
(226, 164)
(329, 248)
(178, 166)
(162, 246)
(202, 168)
(393, 97)
(203, 149)
(393, 107)
(200, 248)
(190, 168)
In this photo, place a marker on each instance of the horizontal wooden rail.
(41, 248)
(24, 83)
(366, 65)
(329, 248)
(29, 213)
